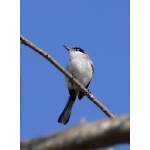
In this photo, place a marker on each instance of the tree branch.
(67, 74)
(84, 136)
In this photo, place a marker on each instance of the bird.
(80, 67)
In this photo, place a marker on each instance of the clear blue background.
(102, 29)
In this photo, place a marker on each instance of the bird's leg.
(89, 92)
(73, 76)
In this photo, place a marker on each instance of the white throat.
(77, 54)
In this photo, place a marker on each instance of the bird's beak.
(66, 47)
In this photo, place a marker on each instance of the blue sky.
(102, 29)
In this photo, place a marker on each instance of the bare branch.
(67, 74)
(84, 136)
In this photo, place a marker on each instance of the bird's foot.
(89, 92)
(73, 76)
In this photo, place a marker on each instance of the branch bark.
(84, 136)
(67, 74)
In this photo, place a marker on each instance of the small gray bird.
(82, 68)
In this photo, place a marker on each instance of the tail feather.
(65, 115)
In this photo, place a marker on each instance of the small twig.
(67, 74)
(84, 136)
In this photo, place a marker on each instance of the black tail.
(65, 115)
